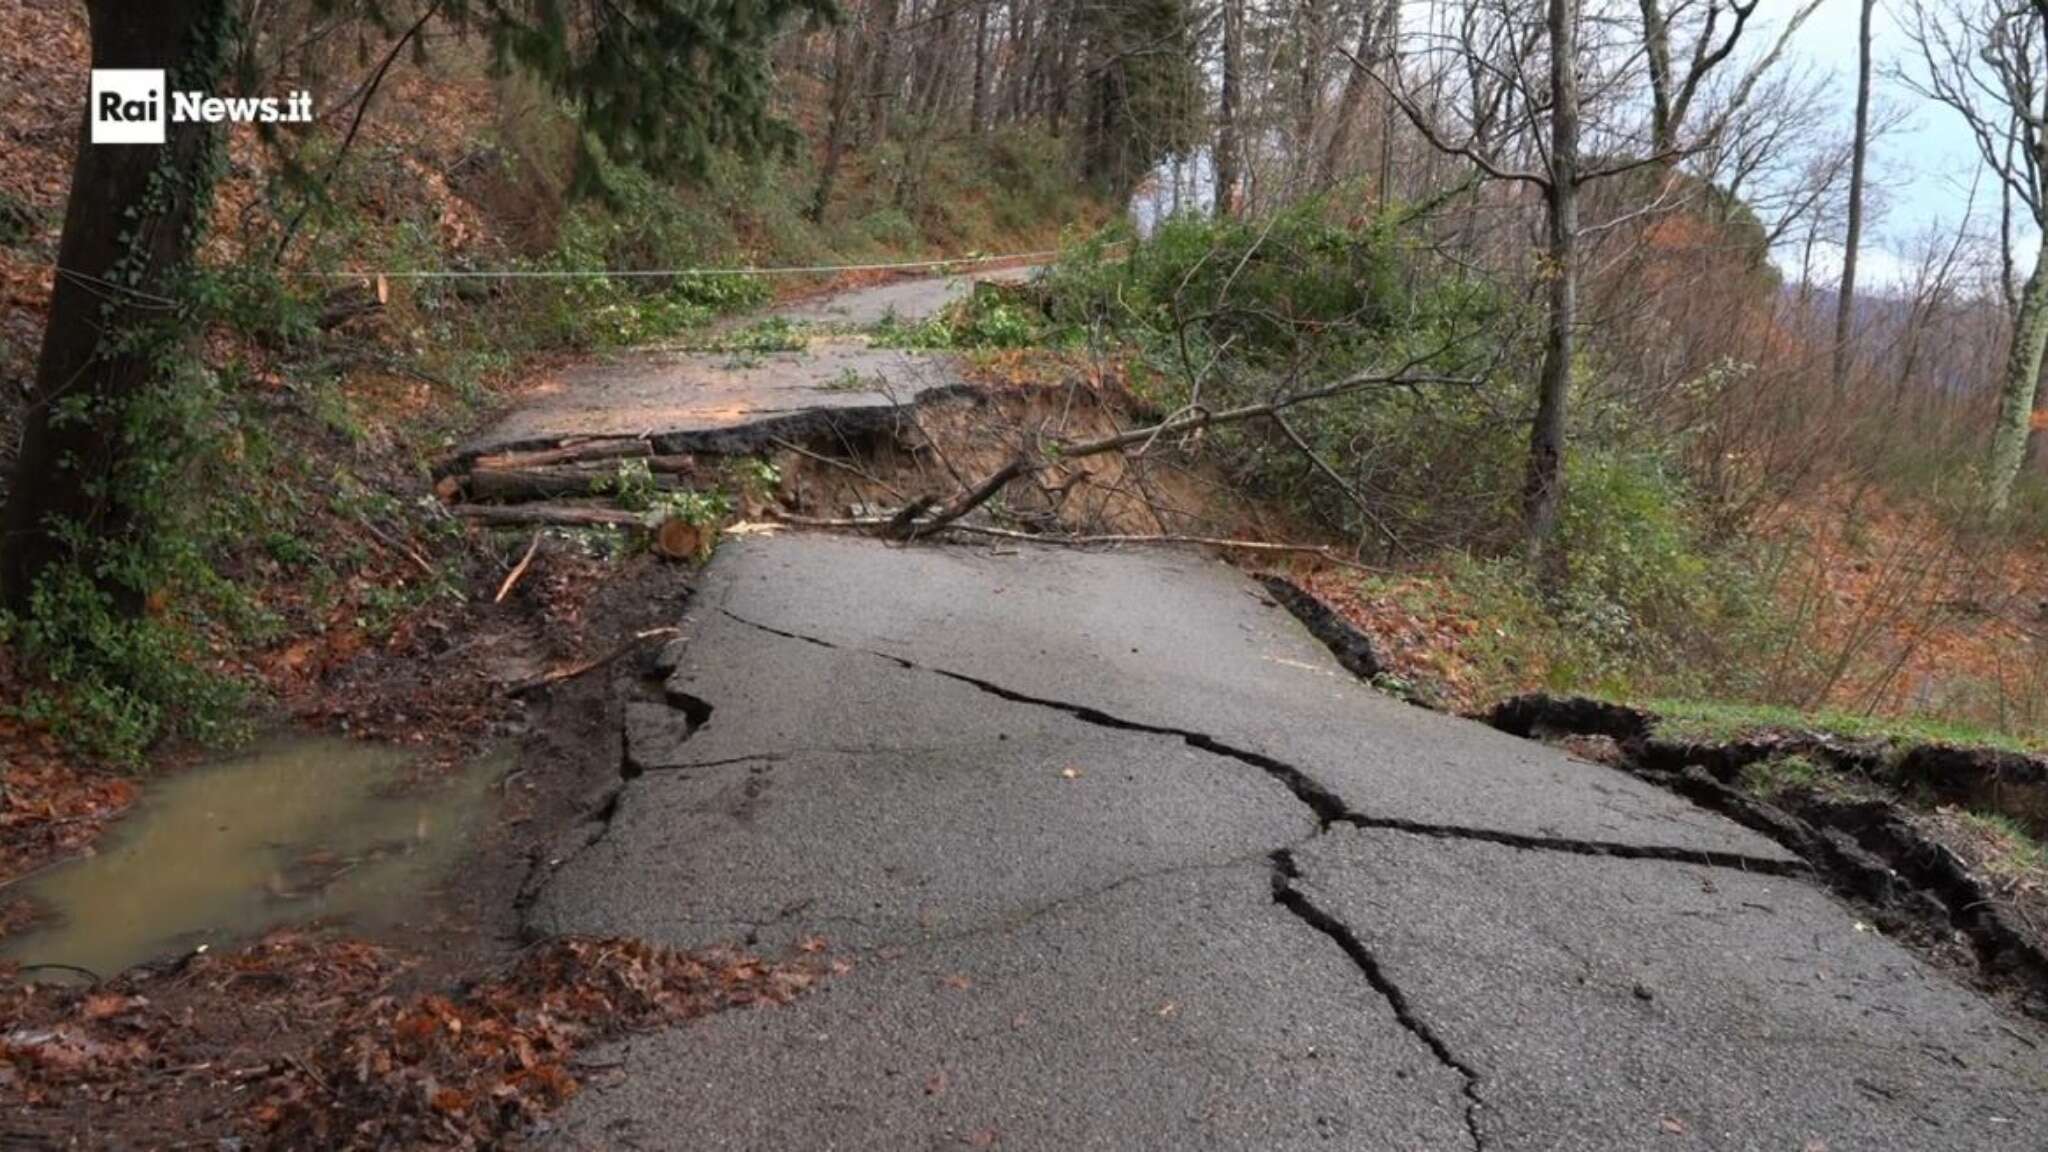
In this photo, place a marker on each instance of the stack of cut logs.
(573, 485)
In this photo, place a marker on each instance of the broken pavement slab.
(1177, 641)
(909, 301)
(1112, 852)
(1181, 1010)
(724, 401)
(1606, 1003)
(737, 401)
(829, 791)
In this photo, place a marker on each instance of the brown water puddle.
(298, 829)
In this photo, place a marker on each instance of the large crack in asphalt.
(1289, 895)
(1330, 811)
(1329, 808)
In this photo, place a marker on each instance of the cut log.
(562, 515)
(659, 465)
(588, 450)
(678, 539)
(512, 485)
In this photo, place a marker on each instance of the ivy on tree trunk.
(2022, 380)
(130, 226)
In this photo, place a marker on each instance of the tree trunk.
(881, 69)
(1543, 491)
(2022, 378)
(1845, 303)
(1657, 54)
(935, 68)
(129, 230)
(1308, 95)
(977, 112)
(1065, 61)
(1353, 100)
(1017, 103)
(1225, 159)
(845, 64)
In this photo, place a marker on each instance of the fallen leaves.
(50, 806)
(466, 1072)
(345, 1062)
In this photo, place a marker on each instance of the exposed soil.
(941, 447)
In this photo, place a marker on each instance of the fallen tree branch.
(832, 462)
(869, 523)
(560, 515)
(1323, 466)
(1189, 420)
(378, 535)
(574, 670)
(973, 498)
(518, 570)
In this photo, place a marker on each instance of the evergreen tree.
(1144, 90)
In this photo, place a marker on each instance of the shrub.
(1239, 310)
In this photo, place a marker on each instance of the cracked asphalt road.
(1124, 860)
(689, 401)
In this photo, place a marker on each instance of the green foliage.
(768, 334)
(1649, 603)
(989, 319)
(252, 299)
(116, 632)
(659, 85)
(1027, 179)
(2013, 852)
(1643, 582)
(633, 486)
(992, 316)
(1232, 312)
(760, 478)
(706, 508)
(110, 684)
(643, 226)
(1294, 287)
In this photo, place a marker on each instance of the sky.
(1925, 168)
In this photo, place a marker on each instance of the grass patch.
(768, 334)
(1711, 721)
(2010, 851)
(1782, 775)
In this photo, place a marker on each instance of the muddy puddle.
(296, 830)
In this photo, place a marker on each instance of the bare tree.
(1540, 105)
(1845, 303)
(1988, 60)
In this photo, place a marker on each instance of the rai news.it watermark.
(133, 105)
